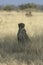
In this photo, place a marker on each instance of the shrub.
(8, 8)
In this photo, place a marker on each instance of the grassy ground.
(11, 53)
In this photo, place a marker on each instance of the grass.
(12, 53)
(10, 49)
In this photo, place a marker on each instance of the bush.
(8, 8)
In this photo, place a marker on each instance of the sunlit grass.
(10, 51)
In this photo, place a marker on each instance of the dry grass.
(9, 22)
(10, 51)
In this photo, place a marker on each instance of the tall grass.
(10, 45)
(10, 48)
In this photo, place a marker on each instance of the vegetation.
(10, 7)
(7, 8)
(22, 7)
(13, 53)
(25, 6)
(10, 47)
